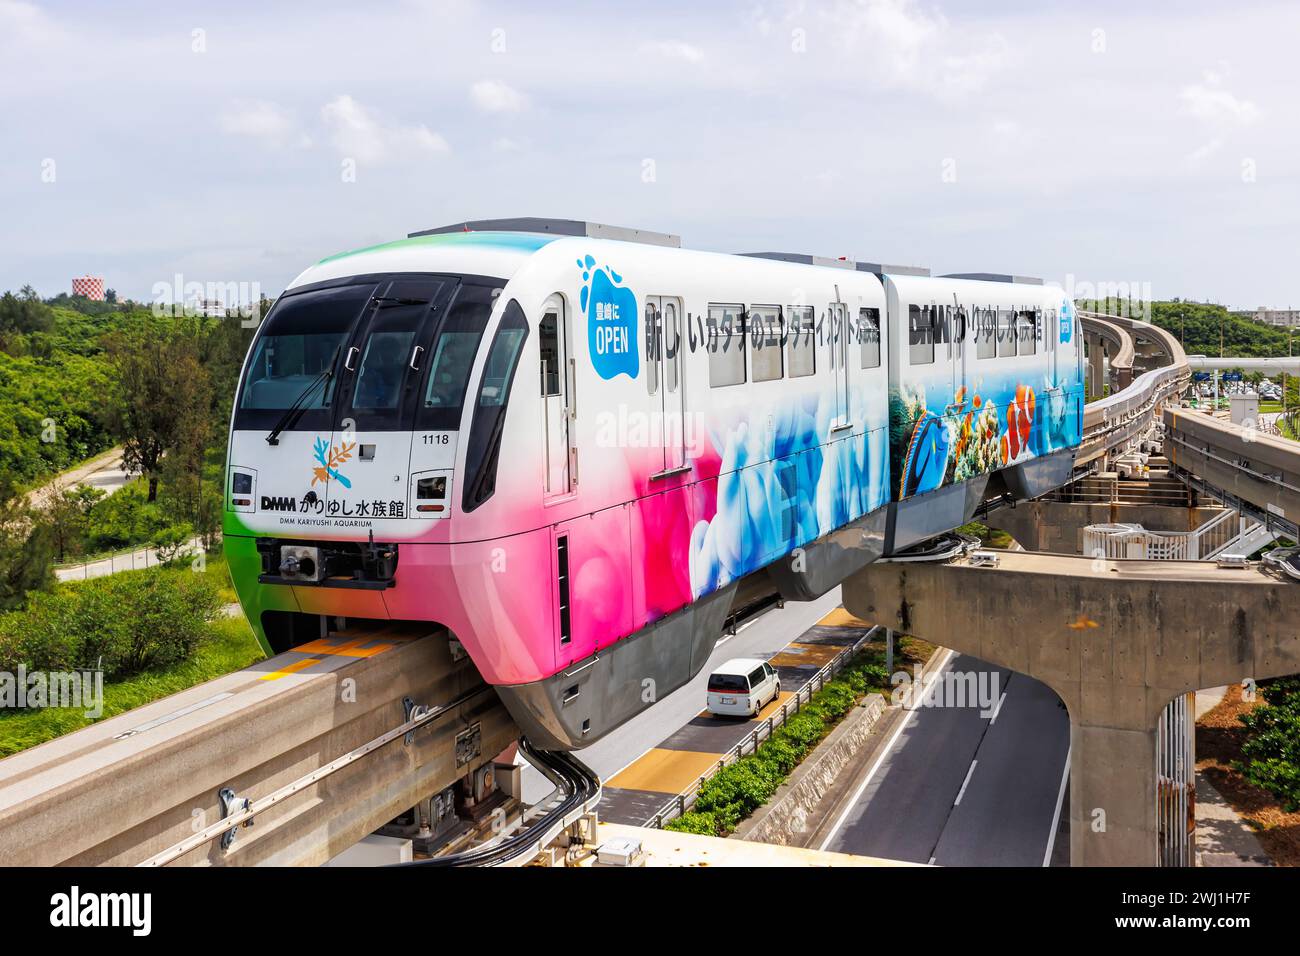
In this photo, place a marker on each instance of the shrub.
(124, 623)
(694, 822)
(173, 544)
(1272, 754)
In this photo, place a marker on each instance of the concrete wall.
(1058, 527)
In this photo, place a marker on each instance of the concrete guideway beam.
(1119, 351)
(1245, 464)
(128, 787)
(1116, 640)
(1112, 423)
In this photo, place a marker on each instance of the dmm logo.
(279, 503)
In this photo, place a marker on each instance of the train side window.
(869, 336)
(986, 334)
(483, 450)
(726, 345)
(1006, 333)
(766, 358)
(1027, 340)
(548, 338)
(920, 335)
(803, 357)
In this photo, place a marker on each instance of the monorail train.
(575, 446)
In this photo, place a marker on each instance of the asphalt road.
(958, 789)
(761, 637)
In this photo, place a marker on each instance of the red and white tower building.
(92, 287)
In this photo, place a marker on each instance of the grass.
(737, 790)
(230, 647)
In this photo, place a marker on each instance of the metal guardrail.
(683, 801)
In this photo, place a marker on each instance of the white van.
(742, 687)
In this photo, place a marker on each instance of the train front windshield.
(301, 341)
(390, 354)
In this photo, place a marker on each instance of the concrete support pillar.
(1117, 642)
(1112, 794)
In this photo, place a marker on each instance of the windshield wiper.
(398, 300)
(292, 413)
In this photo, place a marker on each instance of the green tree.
(67, 513)
(26, 549)
(159, 388)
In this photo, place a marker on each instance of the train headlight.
(242, 485)
(431, 490)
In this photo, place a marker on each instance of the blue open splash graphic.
(611, 321)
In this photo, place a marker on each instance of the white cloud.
(24, 21)
(1204, 152)
(504, 144)
(902, 45)
(493, 96)
(360, 135)
(1211, 102)
(675, 50)
(263, 120)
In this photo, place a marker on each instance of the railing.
(683, 801)
(1126, 541)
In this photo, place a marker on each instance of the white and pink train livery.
(578, 447)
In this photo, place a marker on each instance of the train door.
(557, 398)
(665, 377)
(838, 337)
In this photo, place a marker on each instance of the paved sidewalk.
(135, 560)
(1222, 837)
(104, 472)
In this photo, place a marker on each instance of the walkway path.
(104, 472)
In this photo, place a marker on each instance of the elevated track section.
(322, 745)
(134, 786)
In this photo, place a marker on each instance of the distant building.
(210, 308)
(1288, 318)
(91, 287)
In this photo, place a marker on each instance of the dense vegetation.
(76, 378)
(1272, 752)
(1198, 326)
(121, 624)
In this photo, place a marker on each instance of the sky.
(1089, 144)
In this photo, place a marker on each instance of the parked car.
(742, 687)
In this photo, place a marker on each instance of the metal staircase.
(1228, 532)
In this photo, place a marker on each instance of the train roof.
(499, 248)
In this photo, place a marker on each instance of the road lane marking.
(998, 709)
(965, 783)
(880, 759)
(1056, 817)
